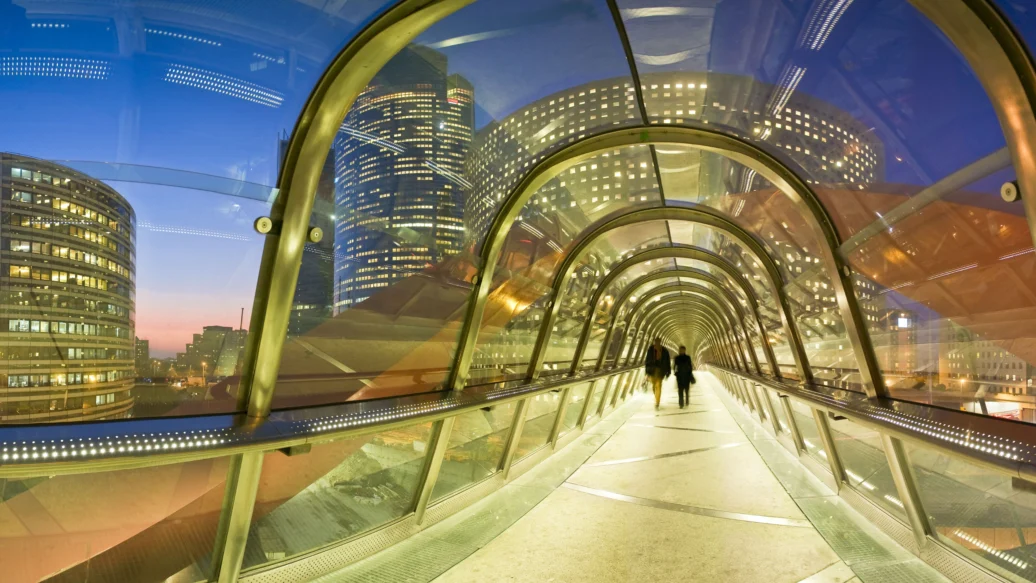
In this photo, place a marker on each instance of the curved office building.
(823, 209)
(68, 255)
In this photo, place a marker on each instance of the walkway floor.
(698, 494)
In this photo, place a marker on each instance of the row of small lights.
(991, 550)
(118, 445)
(30, 451)
(954, 436)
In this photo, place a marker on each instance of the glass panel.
(835, 90)
(866, 467)
(820, 325)
(576, 401)
(950, 292)
(146, 99)
(782, 419)
(509, 330)
(475, 448)
(808, 428)
(600, 388)
(93, 333)
(336, 491)
(380, 299)
(986, 516)
(110, 531)
(521, 117)
(538, 422)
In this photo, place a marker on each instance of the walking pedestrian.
(684, 369)
(657, 368)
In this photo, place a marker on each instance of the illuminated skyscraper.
(67, 256)
(399, 165)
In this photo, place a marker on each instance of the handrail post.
(833, 459)
(906, 486)
(764, 397)
(585, 412)
(514, 436)
(236, 515)
(793, 426)
(439, 441)
(555, 430)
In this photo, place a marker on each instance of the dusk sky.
(153, 104)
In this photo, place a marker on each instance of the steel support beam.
(789, 414)
(514, 436)
(906, 486)
(833, 459)
(236, 515)
(439, 441)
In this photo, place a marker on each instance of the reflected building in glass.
(399, 165)
(68, 295)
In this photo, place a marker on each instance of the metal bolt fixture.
(1009, 191)
(315, 235)
(263, 225)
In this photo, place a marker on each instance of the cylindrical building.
(67, 299)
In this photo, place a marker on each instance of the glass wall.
(337, 490)
(475, 449)
(985, 515)
(106, 526)
(538, 422)
(866, 466)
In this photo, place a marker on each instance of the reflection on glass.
(336, 491)
(475, 448)
(600, 388)
(538, 422)
(576, 401)
(808, 428)
(110, 531)
(948, 294)
(866, 467)
(985, 515)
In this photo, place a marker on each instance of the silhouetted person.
(684, 369)
(657, 368)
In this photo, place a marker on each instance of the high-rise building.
(213, 353)
(399, 165)
(314, 292)
(142, 357)
(67, 254)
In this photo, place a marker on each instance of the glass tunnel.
(449, 230)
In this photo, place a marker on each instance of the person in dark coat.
(657, 368)
(684, 369)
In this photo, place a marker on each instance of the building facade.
(399, 173)
(142, 357)
(68, 253)
(213, 353)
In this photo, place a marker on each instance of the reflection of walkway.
(699, 494)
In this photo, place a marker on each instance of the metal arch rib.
(734, 321)
(734, 148)
(347, 75)
(678, 251)
(657, 319)
(635, 285)
(672, 212)
(655, 310)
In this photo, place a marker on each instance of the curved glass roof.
(187, 109)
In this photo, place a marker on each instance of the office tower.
(399, 165)
(142, 357)
(67, 258)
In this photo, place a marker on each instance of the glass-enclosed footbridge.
(448, 231)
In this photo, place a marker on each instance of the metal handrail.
(76, 448)
(1002, 445)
